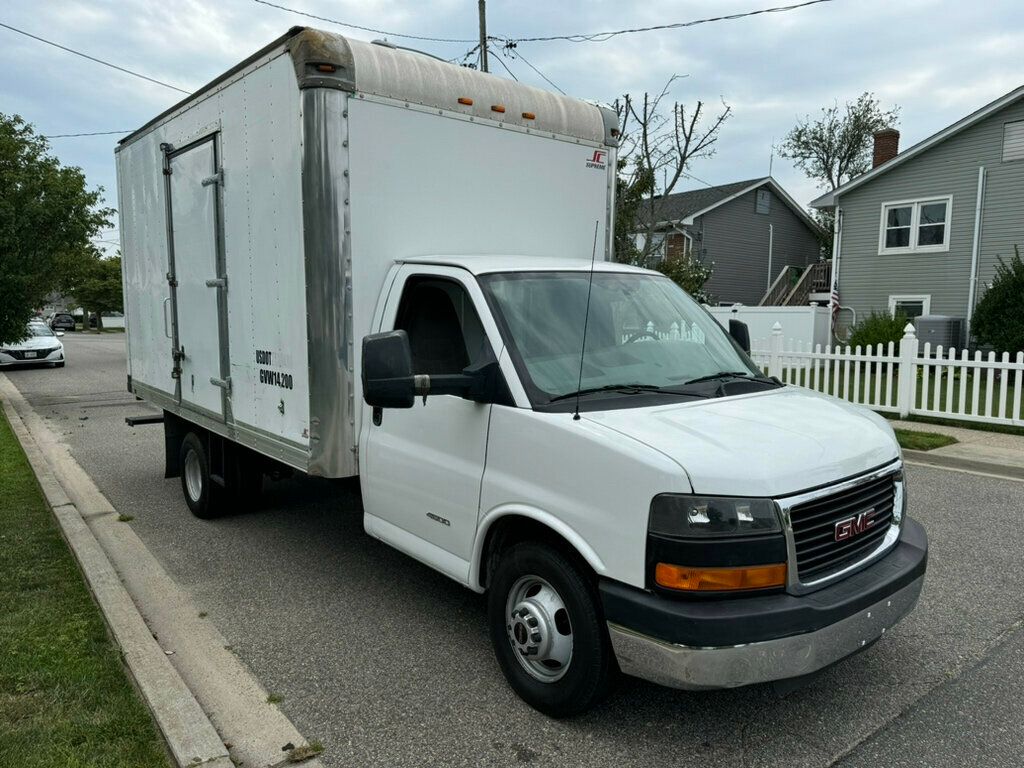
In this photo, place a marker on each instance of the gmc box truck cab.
(350, 260)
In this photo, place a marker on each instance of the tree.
(837, 146)
(47, 217)
(998, 320)
(99, 289)
(656, 141)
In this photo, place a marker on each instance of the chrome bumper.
(694, 668)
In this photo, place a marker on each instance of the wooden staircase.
(793, 287)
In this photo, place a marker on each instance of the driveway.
(389, 664)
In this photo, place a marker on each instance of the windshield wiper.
(734, 375)
(720, 375)
(625, 389)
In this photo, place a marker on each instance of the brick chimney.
(887, 146)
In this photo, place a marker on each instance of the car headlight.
(707, 516)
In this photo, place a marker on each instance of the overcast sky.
(936, 59)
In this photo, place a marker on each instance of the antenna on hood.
(586, 320)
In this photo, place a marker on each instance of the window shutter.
(1013, 141)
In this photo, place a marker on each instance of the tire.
(538, 600)
(204, 497)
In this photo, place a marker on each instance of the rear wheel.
(548, 633)
(204, 497)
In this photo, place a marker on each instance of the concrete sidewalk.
(995, 453)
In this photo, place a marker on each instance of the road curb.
(964, 465)
(188, 732)
(254, 730)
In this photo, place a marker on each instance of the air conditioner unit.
(940, 330)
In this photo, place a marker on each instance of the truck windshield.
(644, 335)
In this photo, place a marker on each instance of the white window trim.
(688, 247)
(924, 298)
(915, 214)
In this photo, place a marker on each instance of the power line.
(501, 61)
(697, 178)
(365, 29)
(600, 37)
(93, 58)
(510, 49)
(74, 135)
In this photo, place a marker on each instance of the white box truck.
(353, 260)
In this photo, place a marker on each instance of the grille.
(18, 354)
(818, 554)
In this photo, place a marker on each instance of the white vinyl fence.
(905, 378)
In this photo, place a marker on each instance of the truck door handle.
(167, 331)
(217, 282)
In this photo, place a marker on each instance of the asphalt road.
(389, 664)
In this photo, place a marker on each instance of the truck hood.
(765, 444)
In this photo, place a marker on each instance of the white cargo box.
(260, 217)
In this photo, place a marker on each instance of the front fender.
(538, 515)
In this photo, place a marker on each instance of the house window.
(915, 225)
(764, 201)
(1013, 141)
(910, 306)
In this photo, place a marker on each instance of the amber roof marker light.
(465, 101)
(529, 116)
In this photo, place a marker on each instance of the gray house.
(922, 231)
(752, 231)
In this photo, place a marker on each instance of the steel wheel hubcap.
(193, 476)
(538, 628)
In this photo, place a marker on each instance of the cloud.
(937, 59)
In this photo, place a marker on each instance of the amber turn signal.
(719, 579)
(325, 67)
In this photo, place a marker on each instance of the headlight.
(705, 516)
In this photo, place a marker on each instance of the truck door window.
(445, 332)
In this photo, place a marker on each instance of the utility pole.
(483, 35)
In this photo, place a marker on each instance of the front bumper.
(728, 643)
(7, 360)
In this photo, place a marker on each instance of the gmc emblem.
(854, 526)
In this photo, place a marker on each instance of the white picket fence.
(905, 378)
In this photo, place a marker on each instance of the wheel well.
(513, 529)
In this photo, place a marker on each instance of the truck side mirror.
(388, 381)
(739, 331)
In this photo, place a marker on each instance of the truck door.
(421, 467)
(196, 275)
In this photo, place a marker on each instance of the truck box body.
(260, 216)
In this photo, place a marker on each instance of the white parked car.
(40, 345)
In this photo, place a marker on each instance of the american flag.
(834, 303)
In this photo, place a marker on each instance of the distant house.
(751, 231)
(922, 231)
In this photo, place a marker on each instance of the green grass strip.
(65, 697)
(922, 441)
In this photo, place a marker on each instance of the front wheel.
(548, 633)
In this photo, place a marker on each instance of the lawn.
(922, 441)
(65, 697)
